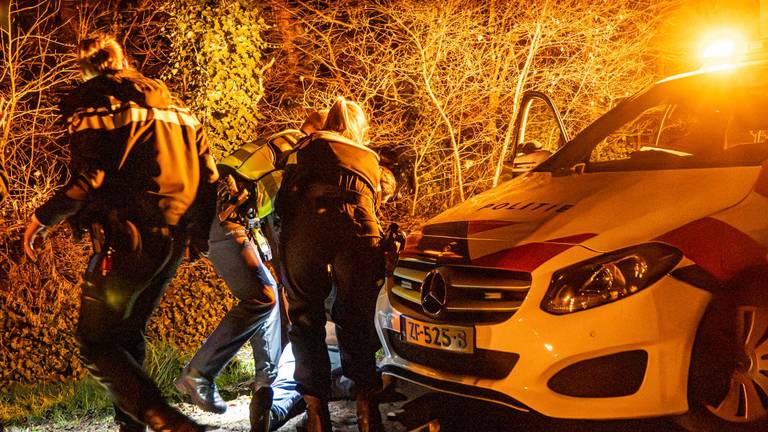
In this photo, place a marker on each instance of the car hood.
(530, 219)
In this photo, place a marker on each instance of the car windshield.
(714, 119)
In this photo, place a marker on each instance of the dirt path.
(235, 419)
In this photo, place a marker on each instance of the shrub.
(40, 314)
(216, 64)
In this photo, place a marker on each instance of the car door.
(539, 132)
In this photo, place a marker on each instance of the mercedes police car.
(623, 277)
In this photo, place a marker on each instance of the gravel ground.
(412, 414)
(235, 419)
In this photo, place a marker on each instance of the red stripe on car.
(574, 239)
(719, 248)
(530, 256)
(524, 258)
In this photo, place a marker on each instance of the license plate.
(438, 336)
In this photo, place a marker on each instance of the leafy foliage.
(39, 302)
(217, 64)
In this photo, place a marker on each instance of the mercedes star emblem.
(433, 293)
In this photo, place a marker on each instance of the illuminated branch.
(443, 82)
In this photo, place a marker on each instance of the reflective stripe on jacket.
(261, 163)
(134, 147)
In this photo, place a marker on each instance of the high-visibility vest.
(256, 161)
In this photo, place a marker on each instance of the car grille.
(473, 294)
(482, 363)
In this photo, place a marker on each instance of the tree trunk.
(516, 104)
(286, 29)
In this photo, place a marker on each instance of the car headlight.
(609, 277)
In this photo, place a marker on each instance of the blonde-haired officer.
(331, 235)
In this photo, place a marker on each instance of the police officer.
(330, 235)
(138, 159)
(287, 399)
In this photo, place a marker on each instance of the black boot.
(318, 416)
(201, 390)
(261, 402)
(162, 417)
(127, 423)
(131, 427)
(368, 415)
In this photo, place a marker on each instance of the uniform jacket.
(258, 168)
(332, 170)
(134, 148)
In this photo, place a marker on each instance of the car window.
(636, 134)
(697, 121)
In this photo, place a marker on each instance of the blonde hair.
(98, 54)
(348, 119)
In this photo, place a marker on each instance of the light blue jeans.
(249, 320)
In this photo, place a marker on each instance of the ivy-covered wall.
(216, 64)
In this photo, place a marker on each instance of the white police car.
(624, 277)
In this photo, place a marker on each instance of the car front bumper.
(627, 359)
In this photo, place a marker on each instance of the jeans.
(253, 319)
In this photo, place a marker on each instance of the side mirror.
(530, 147)
(529, 161)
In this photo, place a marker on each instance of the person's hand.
(35, 230)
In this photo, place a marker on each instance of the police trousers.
(119, 293)
(322, 243)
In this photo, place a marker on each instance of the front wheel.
(728, 378)
(747, 397)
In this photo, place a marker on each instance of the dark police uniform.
(327, 208)
(138, 156)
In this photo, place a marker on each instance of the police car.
(623, 277)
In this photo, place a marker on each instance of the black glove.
(392, 244)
